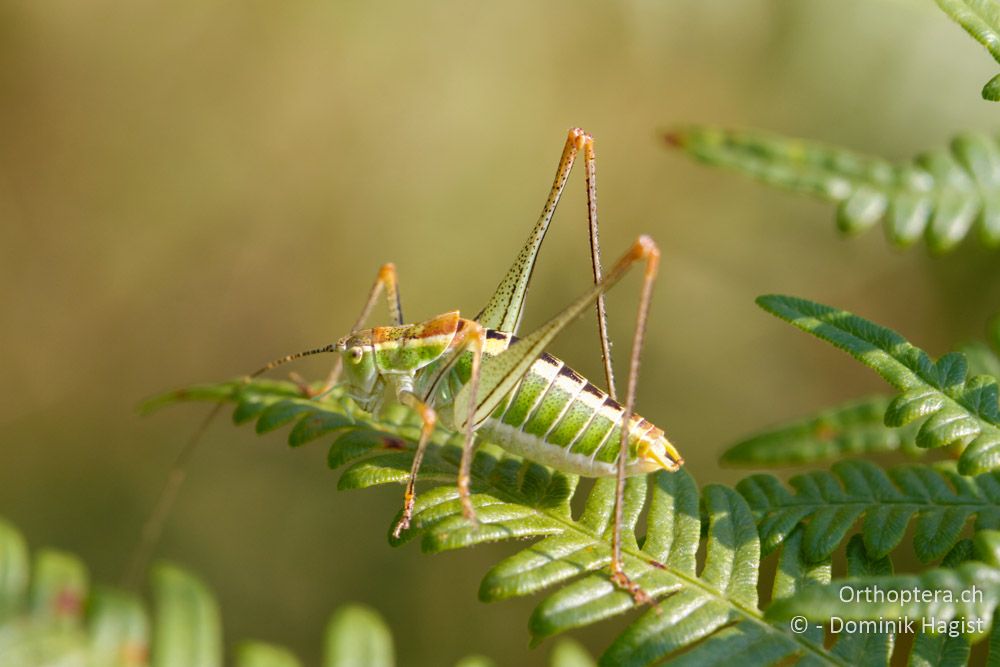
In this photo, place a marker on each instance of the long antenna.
(152, 529)
(332, 347)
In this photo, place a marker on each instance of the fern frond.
(705, 616)
(981, 19)
(938, 499)
(856, 428)
(939, 195)
(65, 623)
(869, 647)
(852, 429)
(940, 596)
(957, 410)
(796, 576)
(52, 616)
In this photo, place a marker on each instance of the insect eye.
(355, 354)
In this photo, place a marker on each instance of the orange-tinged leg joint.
(580, 139)
(385, 280)
(625, 582)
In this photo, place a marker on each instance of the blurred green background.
(189, 189)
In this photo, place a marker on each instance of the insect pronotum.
(474, 376)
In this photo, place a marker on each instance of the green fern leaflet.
(957, 410)
(856, 428)
(937, 498)
(852, 429)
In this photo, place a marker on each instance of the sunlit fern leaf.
(957, 410)
(852, 429)
(710, 615)
(118, 628)
(937, 499)
(941, 650)
(950, 599)
(981, 19)
(940, 195)
(736, 644)
(188, 629)
(358, 637)
(257, 654)
(863, 648)
(568, 653)
(870, 647)
(795, 572)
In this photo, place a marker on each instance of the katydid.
(476, 377)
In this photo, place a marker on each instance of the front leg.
(386, 281)
(428, 419)
(470, 338)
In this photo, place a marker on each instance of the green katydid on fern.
(51, 615)
(698, 552)
(514, 498)
(709, 608)
(706, 614)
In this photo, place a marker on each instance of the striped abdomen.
(556, 417)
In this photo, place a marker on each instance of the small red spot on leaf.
(68, 602)
(389, 442)
(824, 431)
